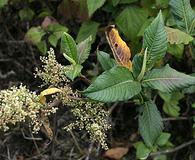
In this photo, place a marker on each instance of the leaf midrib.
(155, 79)
(111, 86)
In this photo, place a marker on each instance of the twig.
(85, 79)
(8, 154)
(14, 41)
(8, 74)
(89, 151)
(36, 146)
(76, 143)
(30, 138)
(174, 149)
(77, 98)
(176, 119)
(112, 108)
(70, 155)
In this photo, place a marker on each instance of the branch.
(174, 149)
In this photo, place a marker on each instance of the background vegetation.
(29, 28)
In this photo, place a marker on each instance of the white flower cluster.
(18, 104)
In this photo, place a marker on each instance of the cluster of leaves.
(171, 31)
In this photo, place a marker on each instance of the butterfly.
(120, 50)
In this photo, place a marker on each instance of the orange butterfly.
(120, 50)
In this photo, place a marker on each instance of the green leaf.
(191, 89)
(116, 84)
(53, 40)
(150, 123)
(26, 14)
(137, 64)
(74, 72)
(105, 60)
(162, 3)
(87, 29)
(127, 1)
(42, 46)
(143, 69)
(142, 151)
(167, 79)
(57, 32)
(3, 3)
(176, 50)
(68, 47)
(115, 2)
(35, 34)
(83, 49)
(175, 36)
(57, 28)
(171, 109)
(130, 21)
(144, 26)
(171, 103)
(93, 5)
(163, 139)
(183, 14)
(155, 39)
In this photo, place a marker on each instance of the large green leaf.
(175, 36)
(130, 21)
(150, 123)
(167, 79)
(83, 49)
(68, 47)
(155, 39)
(105, 60)
(116, 84)
(184, 14)
(93, 5)
(87, 29)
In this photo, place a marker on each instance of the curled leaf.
(121, 51)
(46, 92)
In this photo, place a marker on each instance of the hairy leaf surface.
(150, 123)
(167, 79)
(83, 49)
(184, 14)
(116, 84)
(155, 39)
(68, 47)
(105, 60)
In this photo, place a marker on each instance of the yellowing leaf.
(175, 36)
(46, 92)
(121, 51)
